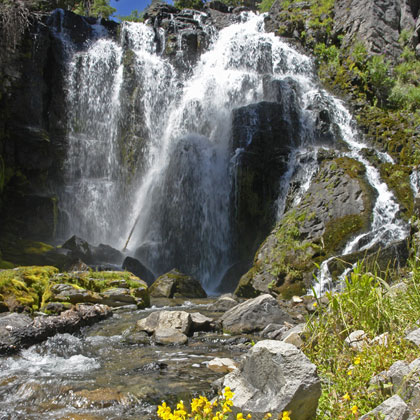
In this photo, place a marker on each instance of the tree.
(96, 8)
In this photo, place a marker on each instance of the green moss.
(338, 231)
(397, 178)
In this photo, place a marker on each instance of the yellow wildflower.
(350, 372)
(239, 416)
(286, 415)
(354, 409)
(346, 397)
(357, 360)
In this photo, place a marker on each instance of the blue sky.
(124, 7)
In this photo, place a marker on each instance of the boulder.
(393, 408)
(223, 304)
(201, 322)
(106, 254)
(134, 266)
(222, 365)
(356, 340)
(167, 336)
(80, 249)
(72, 294)
(275, 377)
(177, 320)
(118, 296)
(414, 337)
(176, 284)
(253, 315)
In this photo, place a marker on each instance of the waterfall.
(150, 147)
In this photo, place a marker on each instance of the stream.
(107, 372)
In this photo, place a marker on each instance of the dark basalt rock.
(134, 266)
(176, 284)
(23, 333)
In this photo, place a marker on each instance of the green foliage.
(95, 8)
(134, 16)
(364, 303)
(189, 4)
(265, 5)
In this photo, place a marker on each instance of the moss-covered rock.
(337, 206)
(33, 288)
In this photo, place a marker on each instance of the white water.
(183, 171)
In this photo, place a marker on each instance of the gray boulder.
(223, 304)
(414, 337)
(176, 320)
(253, 315)
(275, 377)
(393, 408)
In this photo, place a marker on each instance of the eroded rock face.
(336, 206)
(275, 377)
(253, 315)
(377, 23)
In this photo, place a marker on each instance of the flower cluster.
(203, 409)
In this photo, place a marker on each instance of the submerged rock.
(253, 315)
(275, 377)
(177, 284)
(167, 336)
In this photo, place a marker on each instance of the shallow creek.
(103, 372)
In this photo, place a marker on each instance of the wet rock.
(393, 408)
(253, 315)
(102, 397)
(262, 138)
(137, 337)
(107, 254)
(8, 325)
(43, 327)
(167, 336)
(79, 248)
(176, 284)
(336, 206)
(134, 266)
(176, 320)
(275, 377)
(222, 365)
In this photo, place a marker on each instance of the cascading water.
(150, 148)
